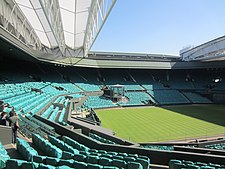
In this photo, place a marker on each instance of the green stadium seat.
(145, 163)
(191, 166)
(67, 155)
(69, 163)
(80, 165)
(118, 157)
(79, 157)
(39, 159)
(122, 154)
(52, 161)
(214, 165)
(178, 166)
(110, 167)
(104, 161)
(43, 166)
(28, 165)
(172, 162)
(107, 155)
(63, 167)
(94, 166)
(119, 163)
(134, 165)
(200, 164)
(13, 164)
(92, 159)
(102, 151)
(187, 162)
(129, 159)
(207, 167)
(133, 155)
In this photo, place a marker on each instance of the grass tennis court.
(162, 124)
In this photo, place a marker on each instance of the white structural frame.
(52, 20)
(16, 24)
(99, 11)
(209, 50)
(91, 14)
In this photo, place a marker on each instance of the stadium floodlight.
(217, 80)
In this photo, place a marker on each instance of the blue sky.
(160, 26)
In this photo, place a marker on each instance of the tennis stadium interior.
(56, 85)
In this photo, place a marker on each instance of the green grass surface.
(163, 124)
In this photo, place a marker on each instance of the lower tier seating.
(3, 156)
(158, 147)
(69, 152)
(220, 146)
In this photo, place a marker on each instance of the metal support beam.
(14, 21)
(48, 12)
(99, 11)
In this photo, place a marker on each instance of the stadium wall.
(6, 135)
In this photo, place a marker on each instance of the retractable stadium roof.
(66, 28)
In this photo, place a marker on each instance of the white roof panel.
(79, 40)
(71, 16)
(81, 21)
(67, 20)
(69, 39)
(43, 19)
(67, 4)
(32, 17)
(42, 36)
(24, 3)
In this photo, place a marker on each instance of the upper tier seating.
(120, 77)
(168, 96)
(178, 80)
(88, 87)
(196, 98)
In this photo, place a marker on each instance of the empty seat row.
(196, 98)
(98, 102)
(25, 149)
(46, 128)
(73, 158)
(85, 151)
(41, 105)
(28, 127)
(100, 139)
(168, 96)
(47, 112)
(88, 163)
(178, 164)
(54, 114)
(158, 147)
(219, 146)
(47, 147)
(22, 164)
(61, 116)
